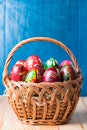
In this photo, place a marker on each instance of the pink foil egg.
(65, 62)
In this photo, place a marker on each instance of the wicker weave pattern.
(43, 103)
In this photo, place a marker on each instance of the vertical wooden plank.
(2, 35)
(83, 42)
(17, 27)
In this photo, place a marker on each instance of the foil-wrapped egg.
(68, 72)
(33, 76)
(51, 76)
(51, 63)
(65, 62)
(34, 62)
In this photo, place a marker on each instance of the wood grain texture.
(8, 120)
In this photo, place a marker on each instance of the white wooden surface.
(9, 121)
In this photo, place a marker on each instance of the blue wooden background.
(64, 20)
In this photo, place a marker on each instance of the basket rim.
(21, 84)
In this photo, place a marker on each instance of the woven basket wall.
(43, 103)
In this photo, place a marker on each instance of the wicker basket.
(54, 103)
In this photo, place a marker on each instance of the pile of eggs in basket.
(33, 70)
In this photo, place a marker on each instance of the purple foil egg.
(50, 76)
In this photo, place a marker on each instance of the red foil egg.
(33, 62)
(22, 62)
(18, 72)
(50, 76)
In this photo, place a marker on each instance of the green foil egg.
(51, 63)
(33, 76)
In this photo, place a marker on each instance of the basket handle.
(46, 39)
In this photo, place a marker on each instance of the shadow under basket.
(43, 103)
